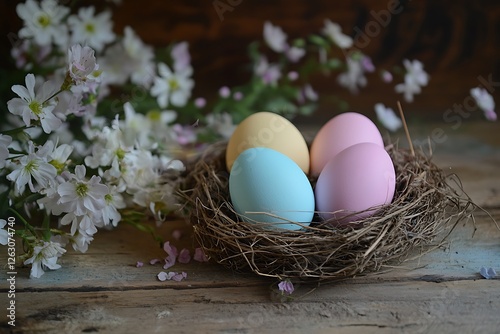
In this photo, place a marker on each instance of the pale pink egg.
(340, 132)
(359, 178)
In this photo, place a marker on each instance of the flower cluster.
(99, 131)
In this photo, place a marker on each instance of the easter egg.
(339, 133)
(358, 180)
(267, 186)
(267, 129)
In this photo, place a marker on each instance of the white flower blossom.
(108, 148)
(408, 89)
(4, 235)
(485, 102)
(4, 150)
(92, 30)
(43, 22)
(415, 79)
(354, 77)
(114, 201)
(85, 223)
(79, 195)
(307, 93)
(222, 124)
(181, 56)
(136, 128)
(80, 241)
(173, 87)
(82, 63)
(129, 59)
(387, 117)
(269, 73)
(141, 59)
(116, 66)
(71, 102)
(275, 37)
(310, 93)
(35, 106)
(33, 165)
(415, 72)
(44, 256)
(294, 53)
(334, 32)
(59, 157)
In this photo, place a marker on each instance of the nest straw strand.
(424, 205)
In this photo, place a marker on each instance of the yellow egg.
(267, 129)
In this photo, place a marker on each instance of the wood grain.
(440, 291)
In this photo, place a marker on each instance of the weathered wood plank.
(441, 291)
(109, 265)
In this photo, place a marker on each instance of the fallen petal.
(184, 256)
(169, 262)
(154, 261)
(179, 277)
(162, 276)
(488, 272)
(199, 255)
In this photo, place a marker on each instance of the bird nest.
(424, 207)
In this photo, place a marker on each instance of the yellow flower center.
(120, 153)
(154, 115)
(58, 165)
(31, 166)
(90, 28)
(44, 20)
(108, 198)
(173, 84)
(35, 107)
(82, 189)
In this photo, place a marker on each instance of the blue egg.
(267, 186)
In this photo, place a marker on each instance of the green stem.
(54, 95)
(16, 130)
(146, 228)
(28, 226)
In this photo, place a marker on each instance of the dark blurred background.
(457, 40)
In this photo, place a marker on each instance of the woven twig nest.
(424, 206)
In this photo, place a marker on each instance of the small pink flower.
(238, 96)
(139, 264)
(199, 255)
(292, 75)
(184, 256)
(224, 92)
(82, 62)
(367, 64)
(200, 102)
(181, 56)
(286, 287)
(386, 76)
(184, 134)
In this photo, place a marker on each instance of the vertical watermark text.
(11, 271)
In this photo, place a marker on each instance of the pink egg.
(359, 178)
(340, 132)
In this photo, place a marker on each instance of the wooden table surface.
(102, 291)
